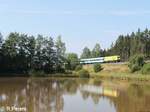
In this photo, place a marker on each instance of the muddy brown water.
(72, 95)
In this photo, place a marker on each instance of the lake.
(73, 95)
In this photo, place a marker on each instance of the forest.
(21, 53)
(125, 46)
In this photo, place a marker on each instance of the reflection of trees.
(91, 91)
(135, 99)
(85, 95)
(46, 95)
(94, 97)
(69, 86)
(13, 93)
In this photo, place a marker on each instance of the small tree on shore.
(146, 69)
(97, 67)
(136, 63)
(83, 73)
(78, 68)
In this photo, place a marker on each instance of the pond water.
(72, 95)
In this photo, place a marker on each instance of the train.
(107, 59)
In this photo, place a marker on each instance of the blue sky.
(80, 22)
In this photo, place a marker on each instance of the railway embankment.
(118, 71)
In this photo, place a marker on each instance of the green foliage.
(16, 47)
(146, 69)
(78, 68)
(83, 73)
(44, 54)
(60, 46)
(96, 52)
(128, 45)
(86, 53)
(20, 53)
(72, 61)
(97, 67)
(1, 40)
(34, 73)
(136, 63)
(60, 54)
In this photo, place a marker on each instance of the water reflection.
(74, 95)
(100, 90)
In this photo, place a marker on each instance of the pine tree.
(86, 53)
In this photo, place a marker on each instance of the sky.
(80, 22)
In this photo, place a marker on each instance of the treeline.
(20, 53)
(95, 52)
(131, 44)
(126, 46)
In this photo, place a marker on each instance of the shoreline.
(124, 77)
(109, 76)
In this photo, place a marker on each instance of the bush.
(97, 68)
(35, 73)
(83, 73)
(146, 69)
(136, 63)
(135, 68)
(78, 68)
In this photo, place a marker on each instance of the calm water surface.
(74, 95)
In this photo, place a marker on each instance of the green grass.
(122, 76)
(117, 71)
(110, 71)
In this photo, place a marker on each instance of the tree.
(146, 69)
(136, 63)
(10, 52)
(128, 45)
(1, 54)
(73, 61)
(96, 52)
(44, 54)
(31, 51)
(50, 56)
(21, 53)
(1, 40)
(97, 67)
(83, 73)
(60, 46)
(86, 53)
(16, 48)
(60, 54)
(78, 67)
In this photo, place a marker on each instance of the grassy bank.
(116, 71)
(122, 76)
(119, 71)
